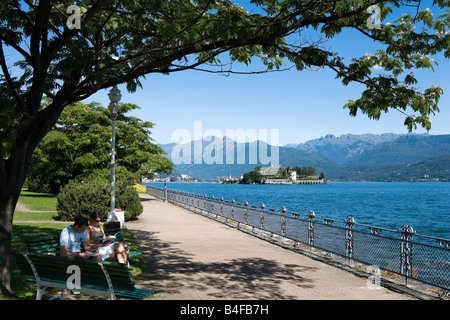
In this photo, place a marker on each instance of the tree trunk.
(5, 244)
(13, 171)
(12, 176)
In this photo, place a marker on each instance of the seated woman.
(113, 251)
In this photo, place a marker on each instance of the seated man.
(71, 238)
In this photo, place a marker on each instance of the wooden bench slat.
(40, 240)
(135, 254)
(56, 269)
(52, 271)
(137, 293)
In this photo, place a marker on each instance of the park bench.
(104, 278)
(51, 245)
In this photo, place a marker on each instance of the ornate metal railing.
(402, 251)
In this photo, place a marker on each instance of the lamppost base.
(108, 225)
(115, 220)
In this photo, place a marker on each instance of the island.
(282, 175)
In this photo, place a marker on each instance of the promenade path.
(192, 257)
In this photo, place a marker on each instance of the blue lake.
(424, 206)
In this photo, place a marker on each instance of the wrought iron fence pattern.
(402, 251)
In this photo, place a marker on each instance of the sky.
(298, 105)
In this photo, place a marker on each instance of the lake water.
(424, 206)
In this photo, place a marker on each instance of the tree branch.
(10, 82)
(59, 42)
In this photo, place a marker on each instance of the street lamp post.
(114, 96)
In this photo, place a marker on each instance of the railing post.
(165, 192)
(221, 207)
(232, 209)
(262, 216)
(246, 212)
(283, 221)
(407, 233)
(349, 237)
(204, 203)
(212, 204)
(311, 216)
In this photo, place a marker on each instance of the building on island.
(271, 175)
(293, 175)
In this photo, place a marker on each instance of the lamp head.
(114, 94)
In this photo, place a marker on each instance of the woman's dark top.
(96, 236)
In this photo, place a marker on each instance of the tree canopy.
(67, 50)
(80, 144)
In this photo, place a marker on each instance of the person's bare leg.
(97, 258)
(120, 253)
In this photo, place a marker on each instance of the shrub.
(80, 198)
(140, 188)
(127, 199)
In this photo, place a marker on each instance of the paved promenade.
(192, 257)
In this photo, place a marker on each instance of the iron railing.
(403, 252)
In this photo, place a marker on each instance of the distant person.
(111, 250)
(71, 239)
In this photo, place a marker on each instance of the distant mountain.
(368, 157)
(432, 169)
(343, 148)
(405, 149)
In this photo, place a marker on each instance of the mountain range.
(349, 157)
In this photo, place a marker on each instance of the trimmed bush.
(140, 188)
(80, 198)
(127, 199)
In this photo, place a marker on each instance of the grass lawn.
(35, 216)
(38, 201)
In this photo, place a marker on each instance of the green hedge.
(80, 198)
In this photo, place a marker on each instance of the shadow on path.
(171, 270)
(147, 199)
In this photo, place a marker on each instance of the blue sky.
(300, 105)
